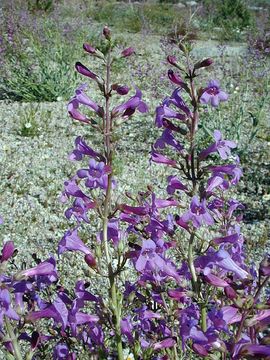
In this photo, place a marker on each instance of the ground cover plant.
(163, 269)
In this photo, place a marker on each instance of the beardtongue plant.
(196, 296)
(193, 295)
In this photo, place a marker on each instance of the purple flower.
(79, 209)
(72, 242)
(83, 318)
(88, 48)
(107, 33)
(148, 256)
(167, 138)
(96, 176)
(61, 351)
(57, 311)
(129, 107)
(178, 294)
(164, 344)
(212, 279)
(197, 214)
(178, 101)
(128, 52)
(126, 329)
(113, 232)
(81, 98)
(161, 159)
(164, 112)
(204, 63)
(7, 251)
(149, 259)
(172, 60)
(85, 71)
(136, 210)
(230, 169)
(229, 239)
(174, 184)
(199, 349)
(73, 106)
(261, 319)
(121, 90)
(90, 261)
(252, 351)
(216, 182)
(161, 203)
(212, 94)
(223, 147)
(72, 189)
(224, 261)
(6, 308)
(82, 149)
(47, 267)
(176, 79)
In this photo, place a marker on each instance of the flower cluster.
(173, 268)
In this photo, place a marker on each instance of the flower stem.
(203, 317)
(14, 340)
(107, 127)
(173, 332)
(191, 264)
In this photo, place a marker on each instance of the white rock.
(180, 5)
(191, 3)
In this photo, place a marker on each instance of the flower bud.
(172, 60)
(176, 79)
(85, 71)
(204, 63)
(88, 48)
(199, 349)
(107, 33)
(35, 340)
(7, 251)
(121, 90)
(128, 52)
(230, 292)
(90, 260)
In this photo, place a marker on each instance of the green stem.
(29, 356)
(107, 129)
(14, 340)
(203, 317)
(173, 332)
(191, 264)
(117, 314)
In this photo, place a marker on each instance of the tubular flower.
(85, 71)
(72, 242)
(44, 268)
(212, 94)
(96, 176)
(223, 147)
(82, 149)
(167, 138)
(197, 214)
(129, 107)
(81, 98)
